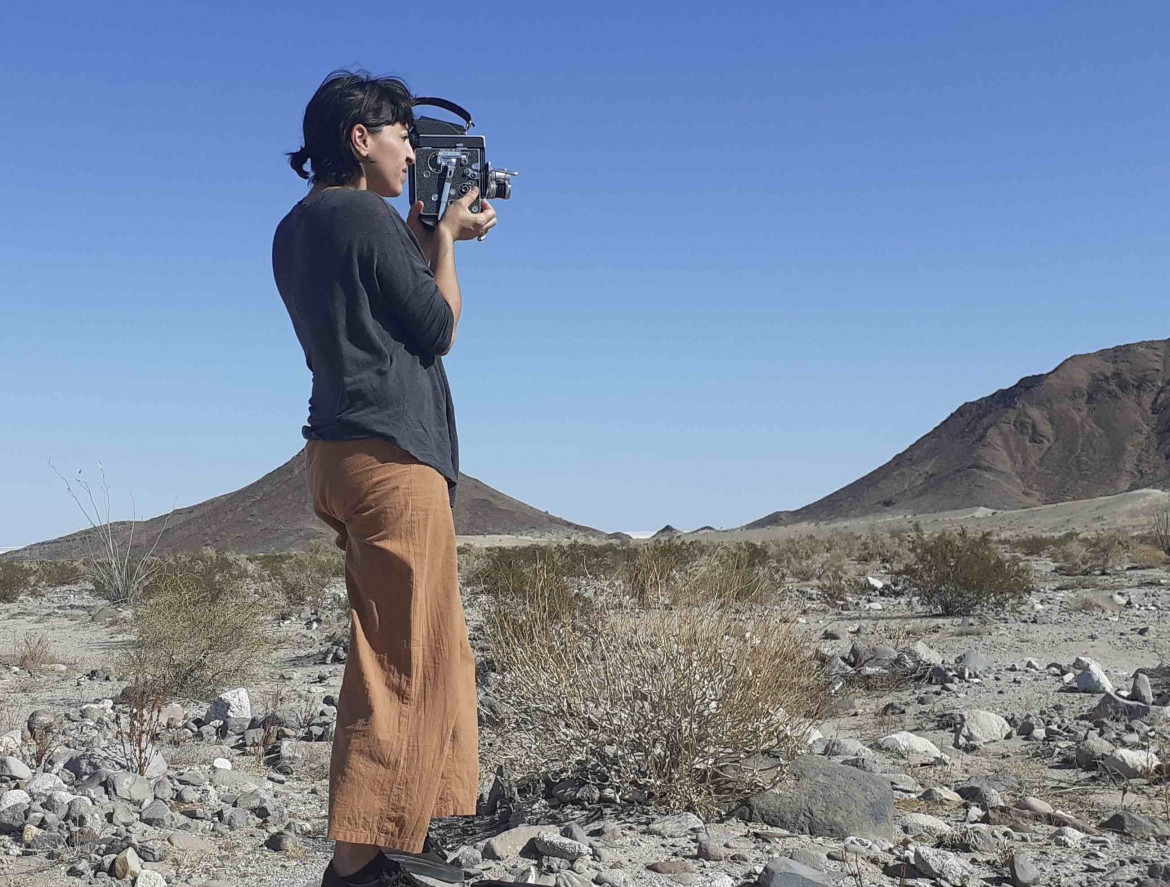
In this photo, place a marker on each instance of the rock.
(1112, 707)
(710, 851)
(826, 799)
(671, 867)
(12, 818)
(1142, 691)
(131, 787)
(187, 841)
(677, 825)
(44, 784)
(221, 764)
(1035, 805)
(233, 704)
(551, 844)
(908, 745)
(941, 865)
(156, 814)
(127, 864)
(976, 664)
(923, 824)
(14, 797)
(10, 742)
(14, 768)
(785, 872)
(1093, 680)
(279, 841)
(1135, 825)
(1130, 763)
(148, 878)
(1090, 752)
(939, 794)
(509, 844)
(1022, 870)
(43, 721)
(978, 728)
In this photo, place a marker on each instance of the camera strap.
(455, 109)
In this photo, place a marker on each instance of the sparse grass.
(33, 651)
(957, 574)
(662, 701)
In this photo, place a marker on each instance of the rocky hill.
(1097, 425)
(273, 514)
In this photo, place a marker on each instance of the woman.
(375, 303)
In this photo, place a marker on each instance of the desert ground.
(1021, 746)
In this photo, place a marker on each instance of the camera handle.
(455, 109)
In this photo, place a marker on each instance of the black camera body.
(448, 163)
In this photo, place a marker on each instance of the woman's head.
(356, 125)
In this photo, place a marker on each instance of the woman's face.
(388, 154)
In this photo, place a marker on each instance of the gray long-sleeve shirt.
(372, 323)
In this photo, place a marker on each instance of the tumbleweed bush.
(662, 704)
(957, 574)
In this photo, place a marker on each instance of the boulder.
(979, 728)
(1093, 680)
(908, 745)
(1130, 763)
(826, 799)
(786, 872)
(1135, 825)
(233, 704)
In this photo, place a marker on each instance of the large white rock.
(941, 865)
(43, 784)
(232, 704)
(10, 742)
(907, 744)
(13, 797)
(979, 728)
(1093, 680)
(923, 824)
(14, 768)
(1130, 763)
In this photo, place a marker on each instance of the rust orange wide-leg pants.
(406, 745)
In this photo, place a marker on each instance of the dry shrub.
(957, 574)
(663, 705)
(54, 574)
(1107, 550)
(1070, 558)
(740, 572)
(1147, 557)
(15, 577)
(884, 547)
(301, 578)
(1162, 529)
(1033, 545)
(198, 631)
(657, 570)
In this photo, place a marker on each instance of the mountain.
(1097, 425)
(273, 514)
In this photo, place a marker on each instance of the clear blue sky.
(754, 251)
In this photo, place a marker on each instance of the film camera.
(448, 163)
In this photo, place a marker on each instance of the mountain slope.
(1096, 425)
(273, 514)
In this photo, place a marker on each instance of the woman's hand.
(461, 223)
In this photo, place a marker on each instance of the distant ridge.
(1097, 425)
(273, 514)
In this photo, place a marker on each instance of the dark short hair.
(343, 100)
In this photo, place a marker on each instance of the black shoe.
(381, 871)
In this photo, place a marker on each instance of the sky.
(754, 250)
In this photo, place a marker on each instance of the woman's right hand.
(461, 223)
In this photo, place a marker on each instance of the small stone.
(675, 826)
(221, 764)
(941, 865)
(1130, 763)
(279, 842)
(1093, 680)
(907, 745)
(1141, 690)
(127, 864)
(552, 844)
(1023, 871)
